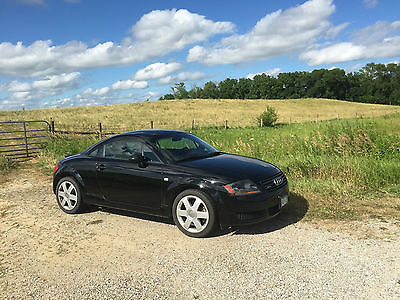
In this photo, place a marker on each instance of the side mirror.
(139, 159)
(136, 158)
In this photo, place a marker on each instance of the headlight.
(242, 187)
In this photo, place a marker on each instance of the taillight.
(56, 168)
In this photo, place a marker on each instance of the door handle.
(100, 167)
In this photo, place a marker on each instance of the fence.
(21, 140)
(101, 132)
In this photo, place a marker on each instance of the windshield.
(180, 146)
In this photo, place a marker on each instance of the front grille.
(274, 183)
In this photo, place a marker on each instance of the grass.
(344, 169)
(6, 165)
(178, 114)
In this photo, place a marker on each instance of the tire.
(69, 195)
(194, 213)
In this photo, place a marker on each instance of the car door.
(124, 183)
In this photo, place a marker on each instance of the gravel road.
(46, 254)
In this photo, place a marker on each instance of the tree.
(179, 91)
(210, 91)
(374, 83)
(227, 88)
(243, 88)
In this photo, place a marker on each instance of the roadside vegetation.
(345, 169)
(6, 164)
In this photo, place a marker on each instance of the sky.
(61, 53)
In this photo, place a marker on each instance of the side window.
(121, 148)
(124, 148)
(148, 153)
(98, 152)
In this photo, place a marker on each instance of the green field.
(178, 114)
(339, 169)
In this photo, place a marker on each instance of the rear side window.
(123, 149)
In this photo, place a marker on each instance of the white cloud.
(154, 35)
(370, 42)
(157, 70)
(105, 95)
(370, 3)
(102, 96)
(272, 72)
(26, 92)
(183, 76)
(375, 33)
(48, 85)
(169, 30)
(129, 84)
(16, 86)
(278, 33)
(62, 81)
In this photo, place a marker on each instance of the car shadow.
(130, 214)
(295, 210)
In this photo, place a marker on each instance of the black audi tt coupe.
(171, 173)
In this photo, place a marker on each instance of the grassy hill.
(178, 114)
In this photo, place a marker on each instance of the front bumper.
(236, 211)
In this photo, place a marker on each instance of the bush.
(268, 118)
(6, 164)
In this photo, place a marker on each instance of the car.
(172, 174)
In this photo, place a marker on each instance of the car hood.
(233, 166)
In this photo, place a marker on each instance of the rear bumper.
(235, 211)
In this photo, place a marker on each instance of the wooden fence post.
(151, 124)
(226, 124)
(261, 122)
(290, 120)
(192, 124)
(52, 126)
(100, 130)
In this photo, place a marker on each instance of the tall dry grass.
(178, 114)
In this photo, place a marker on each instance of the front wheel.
(69, 197)
(194, 213)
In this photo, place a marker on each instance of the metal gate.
(21, 140)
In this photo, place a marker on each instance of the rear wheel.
(194, 213)
(69, 196)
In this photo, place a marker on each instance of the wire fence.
(102, 131)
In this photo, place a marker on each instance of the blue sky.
(56, 53)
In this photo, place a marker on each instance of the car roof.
(151, 132)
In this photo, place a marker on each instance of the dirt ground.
(47, 254)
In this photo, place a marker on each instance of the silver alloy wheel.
(192, 214)
(67, 195)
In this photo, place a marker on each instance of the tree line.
(373, 83)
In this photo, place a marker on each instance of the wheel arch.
(68, 172)
(174, 192)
